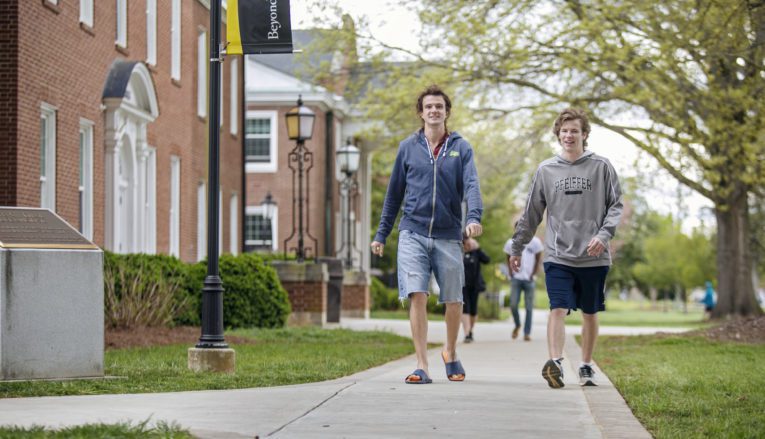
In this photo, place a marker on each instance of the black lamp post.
(300, 128)
(347, 161)
(212, 292)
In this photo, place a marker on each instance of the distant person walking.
(433, 173)
(474, 285)
(583, 199)
(523, 282)
(709, 300)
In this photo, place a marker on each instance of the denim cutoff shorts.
(419, 255)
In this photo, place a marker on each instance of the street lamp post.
(300, 128)
(347, 161)
(269, 207)
(212, 292)
(211, 353)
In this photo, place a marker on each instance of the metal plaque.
(24, 227)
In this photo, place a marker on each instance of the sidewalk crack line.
(310, 410)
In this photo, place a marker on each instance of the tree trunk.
(735, 295)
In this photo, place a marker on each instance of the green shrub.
(253, 295)
(433, 306)
(145, 290)
(383, 298)
(488, 308)
(152, 290)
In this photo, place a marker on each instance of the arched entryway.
(130, 168)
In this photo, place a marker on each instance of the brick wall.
(65, 64)
(8, 100)
(355, 295)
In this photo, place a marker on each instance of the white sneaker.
(586, 376)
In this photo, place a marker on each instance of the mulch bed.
(119, 338)
(744, 330)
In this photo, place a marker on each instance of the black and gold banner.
(258, 26)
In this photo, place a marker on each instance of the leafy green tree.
(683, 80)
(672, 260)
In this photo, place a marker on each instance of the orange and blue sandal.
(454, 369)
(418, 377)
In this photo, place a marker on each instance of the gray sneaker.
(552, 372)
(586, 376)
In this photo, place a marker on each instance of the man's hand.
(595, 247)
(377, 248)
(473, 230)
(515, 263)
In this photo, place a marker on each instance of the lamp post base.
(212, 360)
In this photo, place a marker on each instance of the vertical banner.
(258, 27)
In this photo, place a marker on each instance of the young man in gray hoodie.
(433, 173)
(581, 193)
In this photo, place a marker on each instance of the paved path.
(503, 396)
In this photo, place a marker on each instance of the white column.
(111, 174)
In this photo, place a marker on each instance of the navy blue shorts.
(576, 287)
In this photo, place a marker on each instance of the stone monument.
(51, 298)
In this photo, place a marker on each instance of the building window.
(122, 22)
(151, 32)
(175, 36)
(86, 178)
(175, 206)
(260, 141)
(260, 233)
(233, 97)
(86, 12)
(233, 227)
(150, 202)
(48, 157)
(202, 74)
(201, 222)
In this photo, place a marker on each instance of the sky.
(386, 21)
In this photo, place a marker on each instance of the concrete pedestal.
(51, 314)
(306, 285)
(212, 360)
(356, 301)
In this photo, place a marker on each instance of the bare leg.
(466, 326)
(589, 335)
(556, 332)
(418, 319)
(472, 322)
(453, 313)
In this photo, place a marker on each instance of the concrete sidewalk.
(503, 396)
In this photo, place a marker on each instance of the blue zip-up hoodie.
(432, 189)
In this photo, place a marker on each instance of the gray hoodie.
(583, 200)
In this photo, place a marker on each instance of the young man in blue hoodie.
(433, 173)
(583, 199)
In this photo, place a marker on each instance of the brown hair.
(434, 90)
(572, 114)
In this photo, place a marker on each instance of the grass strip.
(687, 387)
(142, 430)
(278, 357)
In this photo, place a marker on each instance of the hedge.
(151, 290)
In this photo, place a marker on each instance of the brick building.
(272, 86)
(103, 119)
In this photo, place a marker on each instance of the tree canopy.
(683, 80)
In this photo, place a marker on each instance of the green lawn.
(280, 357)
(628, 317)
(688, 387)
(618, 313)
(99, 431)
